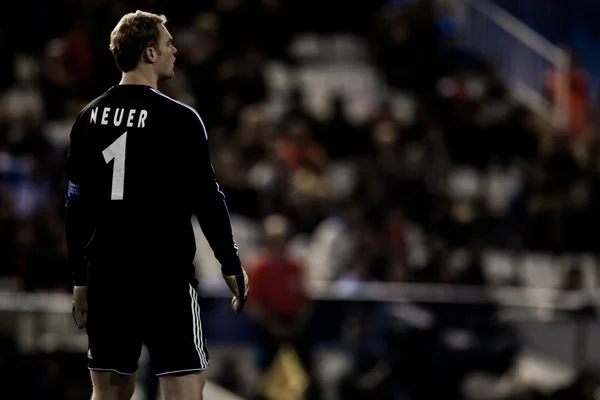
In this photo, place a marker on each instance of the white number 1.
(116, 151)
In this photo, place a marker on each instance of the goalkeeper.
(139, 168)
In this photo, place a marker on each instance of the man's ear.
(150, 54)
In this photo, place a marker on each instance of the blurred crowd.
(385, 190)
(410, 192)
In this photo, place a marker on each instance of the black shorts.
(166, 319)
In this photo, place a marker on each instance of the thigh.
(111, 385)
(189, 386)
(114, 337)
(174, 335)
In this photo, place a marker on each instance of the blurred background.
(413, 185)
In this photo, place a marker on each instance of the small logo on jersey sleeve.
(74, 191)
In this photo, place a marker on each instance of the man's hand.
(80, 306)
(238, 284)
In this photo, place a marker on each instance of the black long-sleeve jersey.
(138, 170)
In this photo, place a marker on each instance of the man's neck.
(137, 77)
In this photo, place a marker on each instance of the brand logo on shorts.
(89, 354)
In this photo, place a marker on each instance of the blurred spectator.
(55, 79)
(279, 301)
(8, 236)
(577, 97)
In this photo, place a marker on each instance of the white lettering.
(142, 119)
(118, 118)
(118, 114)
(105, 116)
(130, 118)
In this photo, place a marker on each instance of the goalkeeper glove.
(80, 306)
(238, 284)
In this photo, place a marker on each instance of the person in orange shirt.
(279, 301)
(578, 100)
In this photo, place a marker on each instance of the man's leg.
(114, 344)
(176, 343)
(183, 387)
(108, 385)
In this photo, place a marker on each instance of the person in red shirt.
(278, 301)
(577, 101)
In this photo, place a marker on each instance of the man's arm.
(210, 207)
(213, 216)
(78, 222)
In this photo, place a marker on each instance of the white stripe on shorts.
(197, 327)
(111, 370)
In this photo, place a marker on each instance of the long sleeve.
(209, 203)
(78, 222)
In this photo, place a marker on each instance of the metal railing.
(42, 321)
(391, 292)
(522, 55)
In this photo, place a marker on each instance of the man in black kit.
(138, 168)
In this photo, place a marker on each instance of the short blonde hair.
(132, 35)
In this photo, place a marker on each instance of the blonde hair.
(132, 35)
